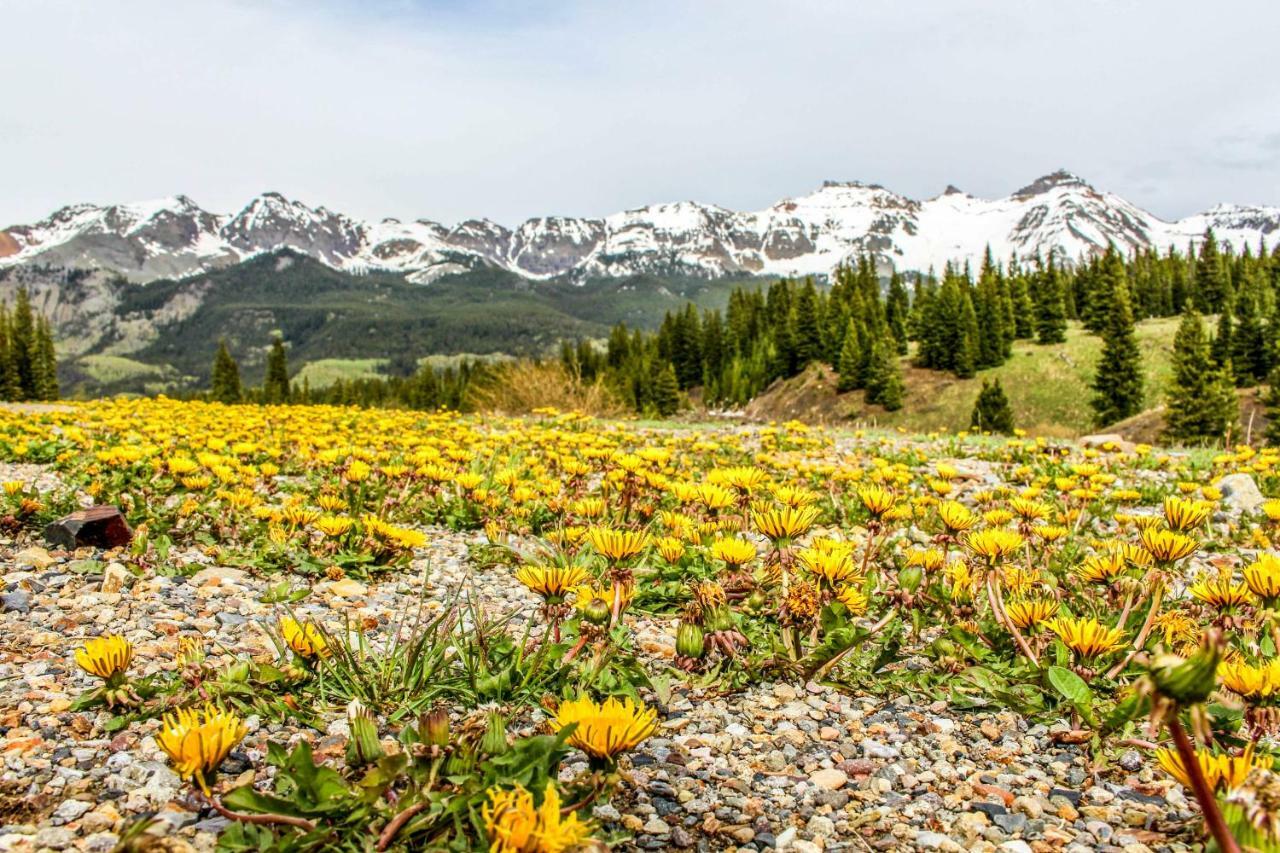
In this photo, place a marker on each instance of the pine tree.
(1250, 355)
(897, 308)
(1118, 383)
(275, 388)
(225, 383)
(10, 388)
(1221, 346)
(1211, 285)
(1051, 313)
(808, 328)
(664, 390)
(22, 343)
(1201, 403)
(884, 383)
(991, 410)
(850, 359)
(45, 363)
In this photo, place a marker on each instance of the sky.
(449, 110)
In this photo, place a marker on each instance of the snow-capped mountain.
(812, 234)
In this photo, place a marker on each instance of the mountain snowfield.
(812, 234)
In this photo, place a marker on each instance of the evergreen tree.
(44, 363)
(22, 343)
(1024, 308)
(1250, 354)
(664, 391)
(897, 308)
(1221, 346)
(1051, 313)
(850, 359)
(1211, 286)
(10, 387)
(1118, 383)
(884, 383)
(991, 410)
(225, 383)
(275, 388)
(808, 335)
(1201, 404)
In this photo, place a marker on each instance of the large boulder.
(97, 526)
(1240, 493)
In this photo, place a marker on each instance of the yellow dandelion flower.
(994, 544)
(106, 657)
(515, 825)
(1088, 638)
(617, 545)
(1221, 592)
(733, 551)
(605, 729)
(552, 583)
(1183, 514)
(1167, 546)
(1030, 612)
(198, 740)
(782, 524)
(306, 640)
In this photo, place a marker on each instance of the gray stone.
(1240, 493)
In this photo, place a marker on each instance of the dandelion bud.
(495, 736)
(689, 640)
(910, 578)
(435, 727)
(363, 747)
(597, 612)
(1191, 680)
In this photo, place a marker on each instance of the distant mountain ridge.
(812, 234)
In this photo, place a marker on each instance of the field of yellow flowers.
(337, 629)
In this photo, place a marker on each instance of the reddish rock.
(97, 526)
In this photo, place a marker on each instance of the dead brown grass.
(519, 387)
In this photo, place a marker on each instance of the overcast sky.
(448, 110)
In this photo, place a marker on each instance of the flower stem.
(1200, 787)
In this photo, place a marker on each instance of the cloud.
(504, 109)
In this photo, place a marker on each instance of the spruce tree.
(884, 384)
(991, 410)
(897, 308)
(1221, 346)
(225, 383)
(664, 390)
(1250, 354)
(1211, 285)
(1118, 383)
(1201, 403)
(275, 388)
(10, 387)
(850, 359)
(22, 343)
(808, 341)
(45, 363)
(1051, 312)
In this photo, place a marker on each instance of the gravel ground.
(799, 767)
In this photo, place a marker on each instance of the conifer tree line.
(28, 362)
(960, 323)
(426, 388)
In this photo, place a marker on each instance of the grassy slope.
(1048, 388)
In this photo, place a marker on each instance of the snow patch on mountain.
(811, 234)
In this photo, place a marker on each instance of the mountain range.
(811, 234)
